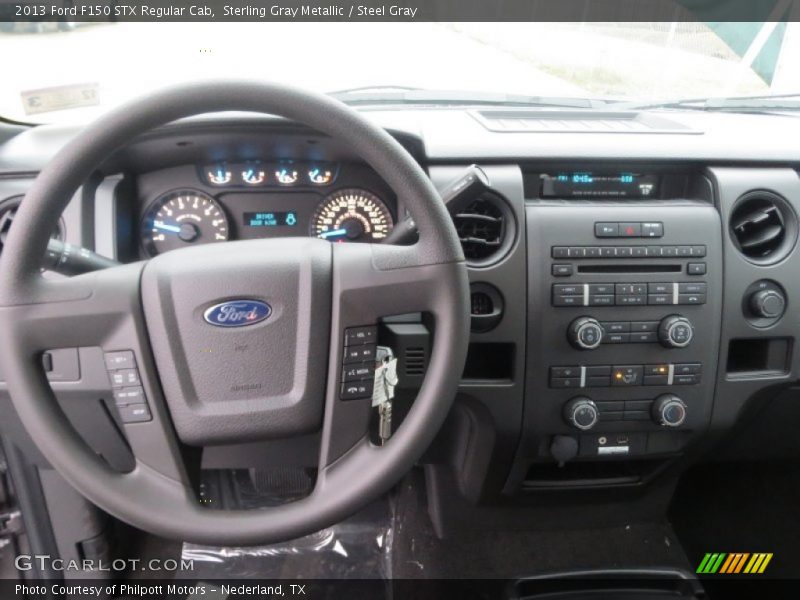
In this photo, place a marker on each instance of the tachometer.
(352, 215)
(183, 218)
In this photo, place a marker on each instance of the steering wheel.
(205, 384)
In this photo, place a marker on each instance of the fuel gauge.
(218, 175)
(320, 174)
(253, 174)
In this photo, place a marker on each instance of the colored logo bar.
(731, 563)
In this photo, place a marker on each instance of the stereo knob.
(768, 304)
(581, 413)
(669, 411)
(585, 333)
(675, 331)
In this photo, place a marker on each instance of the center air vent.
(8, 210)
(763, 226)
(485, 229)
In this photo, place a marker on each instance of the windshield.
(72, 71)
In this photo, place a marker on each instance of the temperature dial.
(585, 333)
(581, 412)
(669, 411)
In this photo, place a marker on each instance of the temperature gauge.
(218, 175)
(286, 175)
(320, 175)
(254, 175)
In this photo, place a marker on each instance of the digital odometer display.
(584, 184)
(270, 219)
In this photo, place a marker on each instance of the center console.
(624, 316)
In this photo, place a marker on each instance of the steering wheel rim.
(113, 309)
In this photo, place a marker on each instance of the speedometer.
(352, 215)
(183, 218)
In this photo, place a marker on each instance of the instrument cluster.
(254, 199)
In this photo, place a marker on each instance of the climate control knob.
(585, 333)
(768, 304)
(581, 412)
(669, 411)
(675, 331)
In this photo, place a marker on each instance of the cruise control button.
(134, 413)
(355, 336)
(120, 360)
(356, 354)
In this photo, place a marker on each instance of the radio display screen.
(586, 184)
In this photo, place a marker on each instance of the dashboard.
(204, 204)
(633, 294)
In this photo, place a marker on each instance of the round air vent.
(8, 210)
(763, 227)
(486, 229)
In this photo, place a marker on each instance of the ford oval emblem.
(237, 313)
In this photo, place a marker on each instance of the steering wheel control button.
(357, 372)
(129, 395)
(134, 413)
(124, 377)
(357, 354)
(356, 389)
(120, 360)
(581, 413)
(675, 331)
(355, 336)
(669, 411)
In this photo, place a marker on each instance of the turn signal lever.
(73, 260)
(457, 195)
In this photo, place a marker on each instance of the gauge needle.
(333, 233)
(165, 227)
